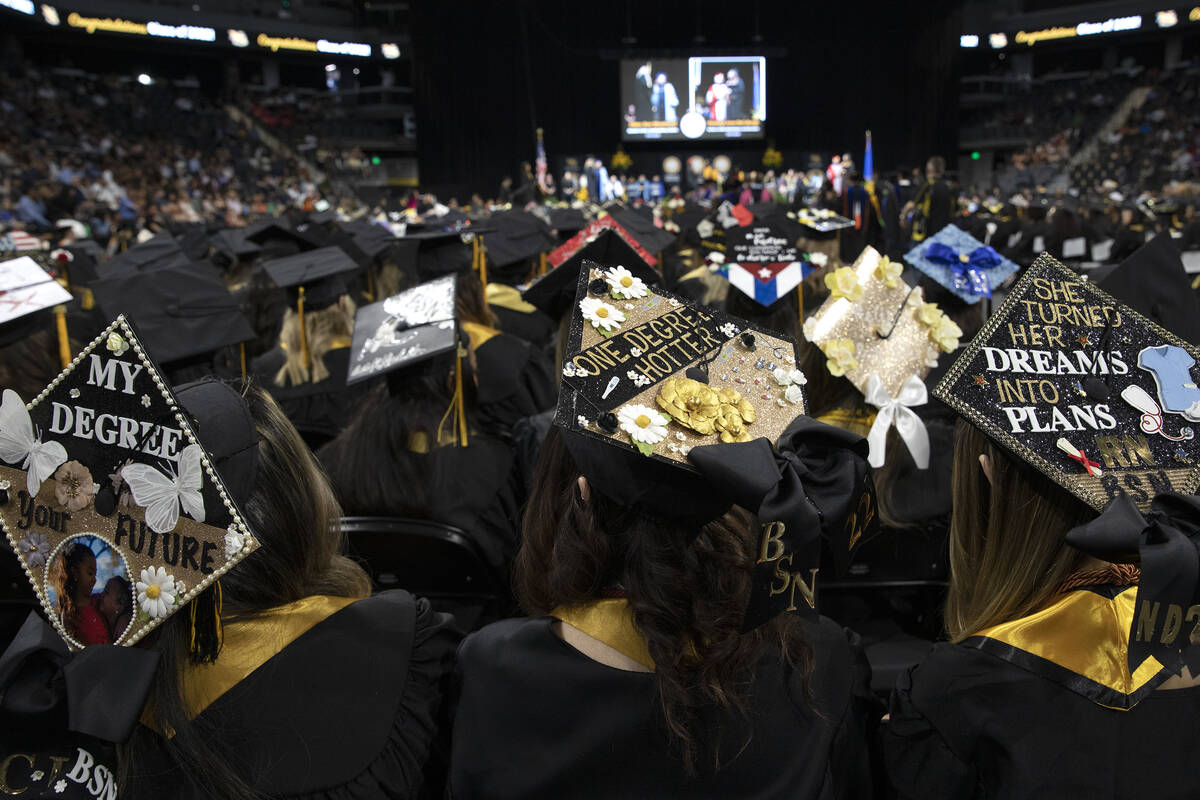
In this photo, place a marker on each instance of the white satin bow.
(898, 411)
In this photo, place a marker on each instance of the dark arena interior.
(529, 399)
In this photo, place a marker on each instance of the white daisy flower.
(673, 302)
(729, 329)
(624, 284)
(235, 540)
(156, 592)
(36, 776)
(629, 306)
(642, 423)
(60, 787)
(569, 370)
(145, 401)
(74, 394)
(582, 420)
(601, 314)
(635, 352)
(632, 375)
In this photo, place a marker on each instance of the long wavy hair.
(324, 328)
(62, 577)
(687, 587)
(1008, 551)
(294, 514)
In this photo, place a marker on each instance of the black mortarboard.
(180, 313)
(822, 220)
(1083, 388)
(156, 252)
(567, 220)
(516, 237)
(319, 275)
(640, 225)
(602, 242)
(403, 330)
(432, 253)
(1153, 282)
(233, 244)
(372, 239)
(277, 237)
(776, 215)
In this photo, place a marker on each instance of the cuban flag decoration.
(763, 264)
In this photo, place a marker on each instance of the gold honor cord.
(303, 330)
(64, 344)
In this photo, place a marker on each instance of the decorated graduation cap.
(821, 220)
(653, 389)
(183, 313)
(25, 290)
(961, 263)
(108, 480)
(763, 263)
(880, 334)
(603, 242)
(404, 329)
(1083, 388)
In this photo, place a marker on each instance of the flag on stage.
(541, 167)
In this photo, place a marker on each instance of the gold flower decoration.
(843, 282)
(735, 414)
(946, 334)
(840, 356)
(73, 487)
(889, 271)
(690, 403)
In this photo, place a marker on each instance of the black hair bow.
(814, 483)
(1166, 543)
(98, 691)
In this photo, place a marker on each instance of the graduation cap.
(161, 250)
(639, 224)
(517, 237)
(25, 290)
(409, 329)
(961, 264)
(774, 214)
(181, 312)
(232, 245)
(430, 254)
(1153, 282)
(603, 242)
(821, 220)
(673, 409)
(1083, 388)
(109, 466)
(314, 280)
(880, 334)
(277, 237)
(371, 239)
(762, 262)
(567, 220)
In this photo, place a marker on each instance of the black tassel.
(207, 634)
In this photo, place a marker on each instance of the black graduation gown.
(516, 380)
(320, 411)
(537, 718)
(989, 718)
(346, 710)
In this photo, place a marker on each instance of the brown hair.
(687, 587)
(470, 303)
(322, 328)
(1008, 553)
(295, 517)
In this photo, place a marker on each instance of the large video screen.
(705, 97)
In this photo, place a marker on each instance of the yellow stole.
(248, 644)
(499, 294)
(853, 420)
(1080, 640)
(478, 334)
(609, 621)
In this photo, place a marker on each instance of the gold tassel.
(303, 330)
(482, 264)
(475, 253)
(457, 408)
(242, 352)
(64, 344)
(800, 299)
(541, 263)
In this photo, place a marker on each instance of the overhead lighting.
(331, 67)
(50, 15)
(968, 40)
(998, 41)
(238, 38)
(1167, 19)
(390, 50)
(144, 79)
(24, 6)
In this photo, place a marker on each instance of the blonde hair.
(1008, 554)
(323, 328)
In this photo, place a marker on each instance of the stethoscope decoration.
(1152, 417)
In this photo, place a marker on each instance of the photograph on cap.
(1083, 388)
(109, 496)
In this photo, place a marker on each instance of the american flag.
(17, 241)
(540, 166)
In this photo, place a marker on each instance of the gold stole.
(609, 621)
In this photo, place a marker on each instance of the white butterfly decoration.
(18, 443)
(162, 495)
